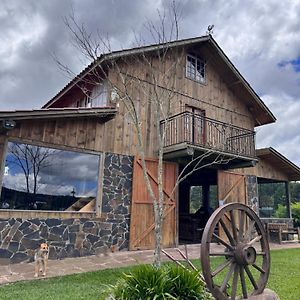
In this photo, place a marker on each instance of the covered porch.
(273, 175)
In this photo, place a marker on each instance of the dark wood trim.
(2, 161)
(99, 195)
(52, 145)
(29, 214)
(288, 199)
(55, 113)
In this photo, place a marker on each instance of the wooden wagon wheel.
(235, 253)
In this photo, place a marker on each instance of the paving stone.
(19, 257)
(4, 253)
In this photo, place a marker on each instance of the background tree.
(31, 160)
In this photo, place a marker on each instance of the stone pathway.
(25, 271)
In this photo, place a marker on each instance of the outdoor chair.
(283, 232)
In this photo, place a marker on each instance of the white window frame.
(196, 71)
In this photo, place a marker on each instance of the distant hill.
(23, 200)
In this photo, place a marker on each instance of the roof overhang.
(262, 115)
(279, 161)
(56, 113)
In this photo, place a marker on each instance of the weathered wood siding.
(265, 170)
(214, 97)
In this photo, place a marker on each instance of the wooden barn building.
(71, 174)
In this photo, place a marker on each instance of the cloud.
(262, 38)
(60, 174)
(18, 182)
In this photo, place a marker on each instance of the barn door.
(231, 188)
(142, 217)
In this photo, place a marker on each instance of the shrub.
(166, 283)
(281, 211)
(296, 213)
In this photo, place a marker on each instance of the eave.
(275, 158)
(55, 113)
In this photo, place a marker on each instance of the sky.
(261, 38)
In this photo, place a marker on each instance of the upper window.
(40, 178)
(99, 95)
(195, 68)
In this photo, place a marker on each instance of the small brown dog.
(41, 260)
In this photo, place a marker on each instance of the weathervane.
(210, 29)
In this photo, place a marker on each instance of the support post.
(288, 199)
(100, 185)
(3, 150)
(205, 196)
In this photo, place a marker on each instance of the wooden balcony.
(191, 131)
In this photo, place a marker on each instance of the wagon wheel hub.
(244, 254)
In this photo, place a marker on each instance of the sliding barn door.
(142, 216)
(231, 188)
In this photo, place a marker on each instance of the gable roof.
(279, 161)
(236, 81)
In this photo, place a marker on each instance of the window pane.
(99, 95)
(195, 198)
(272, 200)
(195, 68)
(39, 178)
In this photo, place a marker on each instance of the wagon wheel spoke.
(261, 253)
(234, 282)
(243, 282)
(256, 239)
(233, 224)
(259, 268)
(226, 230)
(227, 277)
(251, 277)
(221, 267)
(222, 242)
(229, 253)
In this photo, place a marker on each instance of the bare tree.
(155, 87)
(31, 159)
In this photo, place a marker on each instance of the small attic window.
(195, 68)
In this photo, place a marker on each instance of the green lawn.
(284, 279)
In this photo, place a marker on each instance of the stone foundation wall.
(76, 237)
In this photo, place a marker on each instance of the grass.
(284, 279)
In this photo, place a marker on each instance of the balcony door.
(195, 126)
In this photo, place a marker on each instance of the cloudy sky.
(262, 38)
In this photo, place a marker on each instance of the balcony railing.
(207, 133)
